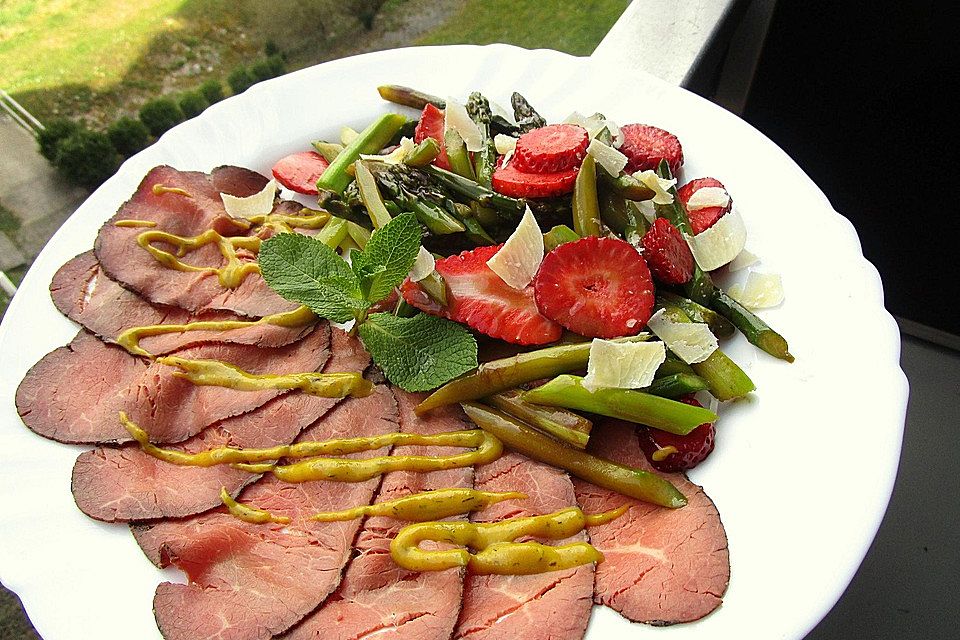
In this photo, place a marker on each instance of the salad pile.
(567, 247)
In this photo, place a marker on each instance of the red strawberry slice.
(300, 171)
(432, 125)
(690, 450)
(479, 298)
(549, 149)
(702, 219)
(597, 287)
(667, 253)
(510, 181)
(645, 146)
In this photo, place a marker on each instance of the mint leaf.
(305, 270)
(393, 247)
(419, 353)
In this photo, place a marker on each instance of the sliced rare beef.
(552, 605)
(662, 566)
(75, 393)
(184, 214)
(84, 293)
(123, 483)
(376, 596)
(256, 580)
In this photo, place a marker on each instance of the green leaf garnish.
(389, 256)
(304, 270)
(419, 353)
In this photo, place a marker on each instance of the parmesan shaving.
(743, 260)
(607, 157)
(259, 204)
(648, 210)
(707, 197)
(658, 184)
(721, 243)
(623, 365)
(396, 156)
(692, 342)
(423, 265)
(519, 258)
(760, 291)
(504, 143)
(595, 124)
(457, 118)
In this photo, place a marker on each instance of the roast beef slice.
(662, 566)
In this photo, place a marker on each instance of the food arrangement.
(189, 261)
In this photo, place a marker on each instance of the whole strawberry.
(669, 452)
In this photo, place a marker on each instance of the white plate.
(802, 472)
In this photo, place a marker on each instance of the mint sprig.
(419, 353)
(416, 354)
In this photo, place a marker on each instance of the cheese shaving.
(623, 365)
(595, 124)
(743, 260)
(519, 258)
(707, 197)
(721, 243)
(396, 156)
(648, 210)
(423, 265)
(504, 143)
(259, 204)
(760, 291)
(607, 157)
(692, 342)
(658, 184)
(457, 118)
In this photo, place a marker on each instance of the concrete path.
(36, 194)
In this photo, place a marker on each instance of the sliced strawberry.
(553, 148)
(688, 451)
(300, 171)
(510, 181)
(479, 298)
(431, 125)
(702, 219)
(645, 146)
(597, 287)
(667, 253)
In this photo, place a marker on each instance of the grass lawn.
(573, 27)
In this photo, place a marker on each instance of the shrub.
(128, 136)
(193, 103)
(212, 90)
(160, 114)
(268, 68)
(55, 131)
(87, 157)
(240, 80)
(270, 48)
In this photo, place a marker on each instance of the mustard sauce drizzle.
(248, 513)
(488, 449)
(485, 447)
(130, 339)
(494, 551)
(221, 374)
(135, 223)
(230, 275)
(424, 506)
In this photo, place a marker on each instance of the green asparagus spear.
(409, 97)
(526, 116)
(724, 378)
(626, 404)
(370, 194)
(475, 231)
(634, 483)
(423, 154)
(673, 365)
(358, 234)
(371, 140)
(329, 150)
(508, 373)
(484, 160)
(435, 287)
(702, 290)
(720, 326)
(333, 232)
(627, 186)
(563, 425)
(457, 154)
(586, 210)
(473, 191)
(676, 385)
